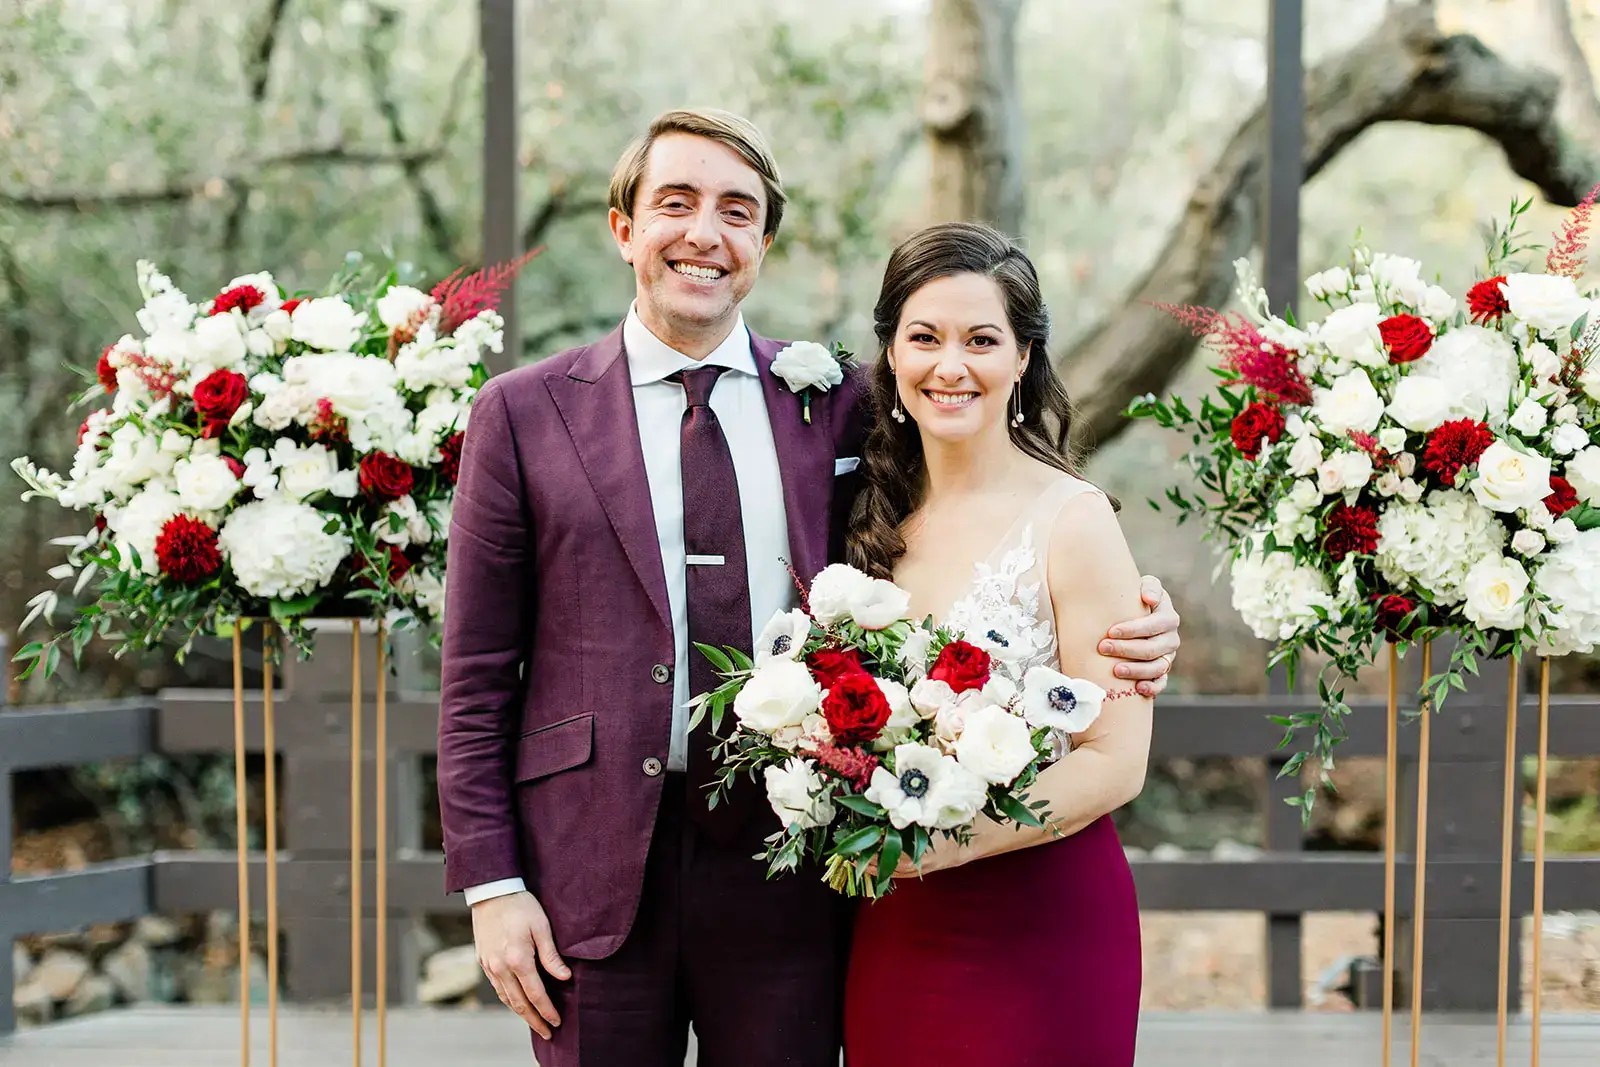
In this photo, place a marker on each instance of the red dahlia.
(104, 371)
(1258, 420)
(1454, 445)
(450, 465)
(243, 297)
(1406, 337)
(1351, 530)
(1486, 301)
(384, 477)
(1563, 498)
(187, 551)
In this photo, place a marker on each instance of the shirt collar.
(651, 359)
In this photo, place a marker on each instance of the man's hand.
(513, 938)
(1149, 644)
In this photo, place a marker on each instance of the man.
(615, 503)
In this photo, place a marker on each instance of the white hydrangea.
(361, 389)
(136, 525)
(1276, 596)
(1570, 577)
(1477, 368)
(1432, 546)
(279, 549)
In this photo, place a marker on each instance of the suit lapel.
(805, 461)
(595, 399)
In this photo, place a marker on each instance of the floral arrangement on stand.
(1407, 466)
(262, 455)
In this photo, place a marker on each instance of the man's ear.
(622, 233)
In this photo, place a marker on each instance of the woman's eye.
(983, 341)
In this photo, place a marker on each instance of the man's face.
(695, 240)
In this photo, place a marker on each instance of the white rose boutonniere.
(806, 365)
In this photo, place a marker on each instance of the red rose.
(828, 665)
(1406, 337)
(450, 465)
(104, 371)
(1487, 301)
(1256, 421)
(243, 297)
(1391, 611)
(187, 551)
(855, 709)
(1454, 445)
(961, 666)
(1351, 530)
(383, 477)
(1563, 498)
(288, 306)
(219, 394)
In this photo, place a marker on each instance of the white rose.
(996, 745)
(136, 525)
(1051, 699)
(1410, 491)
(1392, 439)
(1495, 588)
(1583, 471)
(1344, 472)
(1335, 281)
(1568, 438)
(1564, 414)
(306, 470)
(1406, 464)
(205, 483)
(781, 693)
(1590, 379)
(903, 718)
(1537, 517)
(218, 342)
(1351, 336)
(807, 365)
(1305, 456)
(1436, 304)
(327, 323)
(1529, 418)
(1388, 484)
(1528, 542)
(397, 306)
(1351, 403)
(1509, 480)
(1542, 359)
(278, 326)
(1563, 531)
(1420, 403)
(783, 637)
(929, 697)
(1550, 303)
(278, 548)
(402, 523)
(798, 794)
(1305, 495)
(834, 591)
(1397, 279)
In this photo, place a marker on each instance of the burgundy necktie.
(718, 584)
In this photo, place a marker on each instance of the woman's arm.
(1093, 583)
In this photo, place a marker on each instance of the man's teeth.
(951, 400)
(705, 274)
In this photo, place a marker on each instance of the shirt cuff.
(490, 890)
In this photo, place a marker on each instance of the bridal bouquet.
(1407, 466)
(872, 732)
(255, 454)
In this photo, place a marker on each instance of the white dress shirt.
(741, 408)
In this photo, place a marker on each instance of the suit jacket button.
(661, 673)
(652, 766)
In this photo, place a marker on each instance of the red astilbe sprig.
(1566, 256)
(460, 298)
(1381, 459)
(851, 764)
(1250, 357)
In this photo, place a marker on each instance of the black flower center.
(1062, 699)
(998, 638)
(914, 783)
(782, 644)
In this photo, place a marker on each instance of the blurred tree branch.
(1578, 104)
(258, 69)
(562, 203)
(1407, 70)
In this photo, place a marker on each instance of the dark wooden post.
(498, 34)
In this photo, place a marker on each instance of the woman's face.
(955, 359)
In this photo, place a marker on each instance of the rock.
(129, 968)
(427, 942)
(1134, 853)
(211, 984)
(1167, 851)
(33, 1004)
(94, 993)
(60, 972)
(157, 932)
(1234, 850)
(450, 974)
(21, 964)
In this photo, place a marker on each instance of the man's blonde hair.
(724, 127)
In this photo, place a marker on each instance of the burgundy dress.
(1027, 959)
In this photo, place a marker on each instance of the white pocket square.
(845, 465)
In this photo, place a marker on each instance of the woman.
(1022, 947)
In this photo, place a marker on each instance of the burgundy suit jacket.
(556, 694)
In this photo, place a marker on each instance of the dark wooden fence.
(1283, 882)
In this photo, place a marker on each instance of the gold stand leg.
(381, 850)
(270, 745)
(1421, 880)
(1388, 854)
(241, 832)
(355, 840)
(1507, 831)
(1542, 781)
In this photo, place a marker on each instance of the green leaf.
(297, 608)
(30, 650)
(859, 842)
(52, 660)
(1017, 811)
(717, 658)
(889, 858)
(860, 805)
(1584, 516)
